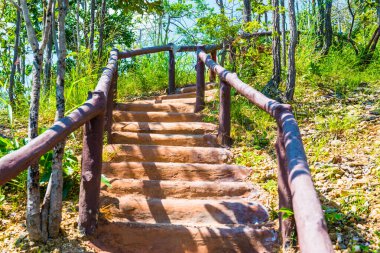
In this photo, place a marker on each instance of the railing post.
(284, 194)
(91, 170)
(212, 74)
(224, 138)
(171, 89)
(200, 94)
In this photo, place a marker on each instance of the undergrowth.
(334, 100)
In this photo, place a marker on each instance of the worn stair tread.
(157, 153)
(193, 88)
(156, 116)
(162, 107)
(195, 140)
(176, 171)
(184, 95)
(185, 211)
(181, 189)
(171, 101)
(165, 127)
(157, 238)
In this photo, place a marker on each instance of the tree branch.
(15, 5)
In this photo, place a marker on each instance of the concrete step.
(165, 127)
(173, 154)
(185, 211)
(192, 140)
(193, 88)
(119, 236)
(163, 107)
(176, 171)
(122, 116)
(180, 189)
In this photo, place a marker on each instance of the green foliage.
(332, 215)
(270, 186)
(217, 27)
(286, 213)
(105, 181)
(147, 75)
(70, 166)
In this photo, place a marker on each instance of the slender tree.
(101, 27)
(321, 24)
(327, 42)
(291, 80)
(33, 219)
(48, 61)
(92, 26)
(247, 11)
(56, 179)
(78, 25)
(283, 24)
(276, 45)
(15, 58)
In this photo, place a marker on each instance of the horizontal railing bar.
(105, 80)
(207, 48)
(17, 161)
(254, 96)
(311, 226)
(145, 50)
(157, 49)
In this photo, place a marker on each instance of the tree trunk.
(283, 23)
(78, 26)
(85, 30)
(276, 46)
(15, 59)
(33, 219)
(321, 24)
(48, 62)
(247, 13)
(352, 14)
(272, 87)
(328, 28)
(313, 14)
(23, 67)
(291, 81)
(220, 3)
(101, 28)
(92, 26)
(55, 210)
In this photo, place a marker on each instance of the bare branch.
(15, 5)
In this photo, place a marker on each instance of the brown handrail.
(311, 226)
(90, 115)
(14, 163)
(169, 47)
(296, 188)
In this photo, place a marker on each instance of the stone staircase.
(172, 187)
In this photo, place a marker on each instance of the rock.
(339, 238)
(356, 248)
(335, 142)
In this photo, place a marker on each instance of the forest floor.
(342, 140)
(341, 136)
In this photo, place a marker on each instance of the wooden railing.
(295, 187)
(296, 190)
